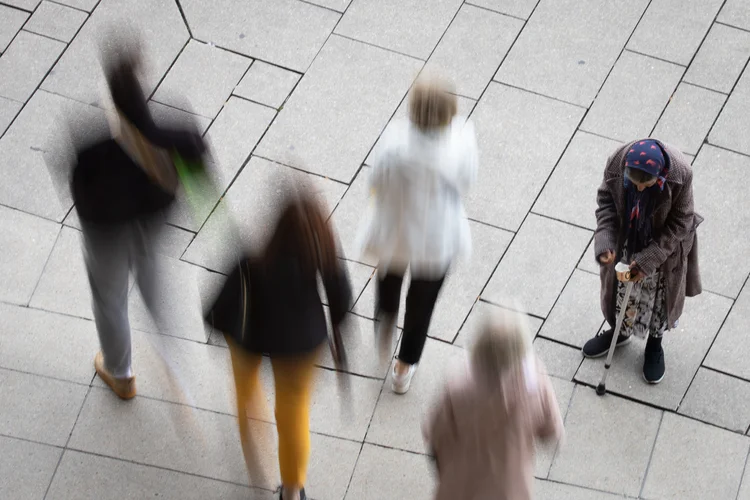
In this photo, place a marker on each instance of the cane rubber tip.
(601, 390)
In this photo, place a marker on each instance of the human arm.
(549, 424)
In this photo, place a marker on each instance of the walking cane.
(620, 268)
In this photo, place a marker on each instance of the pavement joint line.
(651, 455)
(309, 2)
(685, 82)
(56, 2)
(717, 146)
(370, 44)
(504, 84)
(656, 58)
(496, 11)
(48, 37)
(742, 478)
(493, 226)
(561, 221)
(588, 488)
(46, 263)
(726, 374)
(166, 72)
(48, 377)
(237, 96)
(731, 25)
(192, 113)
(184, 18)
(238, 53)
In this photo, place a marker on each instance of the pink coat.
(482, 434)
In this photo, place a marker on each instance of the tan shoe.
(123, 387)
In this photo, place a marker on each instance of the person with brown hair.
(270, 305)
(417, 220)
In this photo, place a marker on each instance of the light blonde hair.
(503, 343)
(431, 103)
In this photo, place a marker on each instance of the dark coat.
(674, 250)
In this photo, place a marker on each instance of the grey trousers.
(111, 252)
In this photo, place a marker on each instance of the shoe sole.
(107, 379)
(653, 382)
(619, 344)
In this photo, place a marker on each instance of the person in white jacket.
(417, 220)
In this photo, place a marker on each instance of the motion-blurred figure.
(482, 432)
(427, 163)
(270, 305)
(120, 186)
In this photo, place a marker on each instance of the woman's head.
(431, 104)
(644, 164)
(503, 343)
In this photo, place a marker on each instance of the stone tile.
(217, 338)
(387, 473)
(347, 218)
(549, 490)
(28, 5)
(332, 463)
(568, 47)
(735, 13)
(38, 408)
(204, 76)
(636, 82)
(517, 8)
(56, 21)
(11, 20)
(26, 241)
(402, 26)
(8, 111)
(693, 461)
(561, 361)
(532, 275)
(688, 118)
(287, 33)
(507, 121)
(720, 60)
(25, 63)
(685, 348)
(172, 241)
(69, 344)
(397, 421)
(576, 316)
(478, 316)
(734, 116)
(727, 212)
(337, 5)
(241, 222)
(719, 399)
(473, 48)
(26, 468)
(267, 84)
(728, 352)
(622, 453)
(167, 116)
(365, 100)
(81, 475)
(581, 165)
(588, 262)
(78, 74)
(673, 30)
(87, 5)
(545, 452)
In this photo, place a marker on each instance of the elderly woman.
(417, 219)
(646, 220)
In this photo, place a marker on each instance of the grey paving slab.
(588, 261)
(87, 5)
(78, 74)
(561, 360)
(347, 218)
(402, 26)
(478, 315)
(684, 347)
(387, 473)
(172, 241)
(637, 82)
(727, 130)
(287, 32)
(673, 30)
(688, 118)
(532, 275)
(693, 461)
(507, 121)
(11, 21)
(81, 475)
(26, 468)
(337, 5)
(28, 5)
(622, 453)
(25, 63)
(549, 490)
(47, 344)
(204, 76)
(545, 451)
(397, 421)
(167, 116)
(721, 58)
(8, 111)
(517, 8)
(267, 84)
(728, 352)
(735, 13)
(568, 47)
(365, 100)
(581, 165)
(26, 241)
(38, 408)
(718, 399)
(726, 213)
(473, 48)
(56, 21)
(242, 221)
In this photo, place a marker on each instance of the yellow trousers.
(293, 379)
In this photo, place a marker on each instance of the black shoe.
(599, 345)
(653, 366)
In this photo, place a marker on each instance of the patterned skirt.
(646, 311)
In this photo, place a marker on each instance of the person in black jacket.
(270, 305)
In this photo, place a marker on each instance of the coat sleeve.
(607, 221)
(549, 424)
(470, 160)
(339, 292)
(440, 427)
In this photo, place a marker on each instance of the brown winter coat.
(674, 250)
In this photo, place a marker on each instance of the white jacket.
(416, 215)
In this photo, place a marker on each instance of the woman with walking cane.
(645, 220)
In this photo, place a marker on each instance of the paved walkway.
(307, 87)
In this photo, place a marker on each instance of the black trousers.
(420, 302)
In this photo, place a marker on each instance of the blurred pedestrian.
(270, 305)
(121, 185)
(646, 219)
(417, 221)
(483, 430)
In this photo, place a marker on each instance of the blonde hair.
(431, 103)
(503, 343)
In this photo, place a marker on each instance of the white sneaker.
(400, 383)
